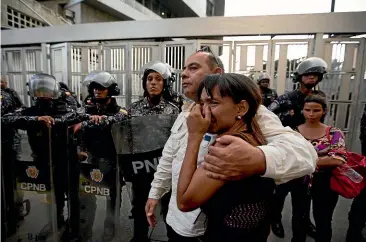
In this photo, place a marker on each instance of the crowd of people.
(235, 151)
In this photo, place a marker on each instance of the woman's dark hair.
(319, 98)
(165, 93)
(239, 88)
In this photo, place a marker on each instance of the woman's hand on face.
(199, 120)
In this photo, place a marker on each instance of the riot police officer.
(10, 148)
(47, 120)
(289, 108)
(13, 94)
(98, 146)
(289, 105)
(268, 94)
(176, 97)
(13, 102)
(69, 96)
(89, 94)
(157, 100)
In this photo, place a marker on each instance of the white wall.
(93, 15)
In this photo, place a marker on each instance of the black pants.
(174, 237)
(324, 203)
(61, 190)
(357, 217)
(141, 185)
(300, 206)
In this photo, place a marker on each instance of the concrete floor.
(40, 215)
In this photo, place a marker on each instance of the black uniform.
(282, 106)
(177, 99)
(10, 149)
(39, 138)
(268, 96)
(141, 182)
(70, 99)
(97, 141)
(144, 108)
(357, 214)
(14, 95)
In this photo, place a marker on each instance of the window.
(17, 19)
(156, 7)
(209, 8)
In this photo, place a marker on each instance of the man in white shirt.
(287, 156)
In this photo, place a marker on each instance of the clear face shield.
(44, 86)
(102, 78)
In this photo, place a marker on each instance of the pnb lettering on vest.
(146, 166)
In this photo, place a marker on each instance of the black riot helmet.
(312, 65)
(262, 77)
(165, 70)
(43, 86)
(102, 79)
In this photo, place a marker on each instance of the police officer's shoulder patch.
(121, 110)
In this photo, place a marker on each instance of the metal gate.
(275, 57)
(345, 86)
(175, 53)
(18, 65)
(71, 62)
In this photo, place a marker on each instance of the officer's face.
(224, 111)
(3, 83)
(100, 93)
(310, 80)
(154, 84)
(194, 70)
(313, 112)
(264, 83)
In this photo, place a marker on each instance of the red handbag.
(348, 179)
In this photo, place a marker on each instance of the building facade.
(32, 13)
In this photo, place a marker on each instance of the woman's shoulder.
(334, 130)
(335, 133)
(246, 136)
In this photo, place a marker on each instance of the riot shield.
(139, 140)
(139, 143)
(27, 184)
(96, 173)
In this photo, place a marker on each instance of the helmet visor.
(44, 86)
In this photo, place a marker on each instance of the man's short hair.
(214, 61)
